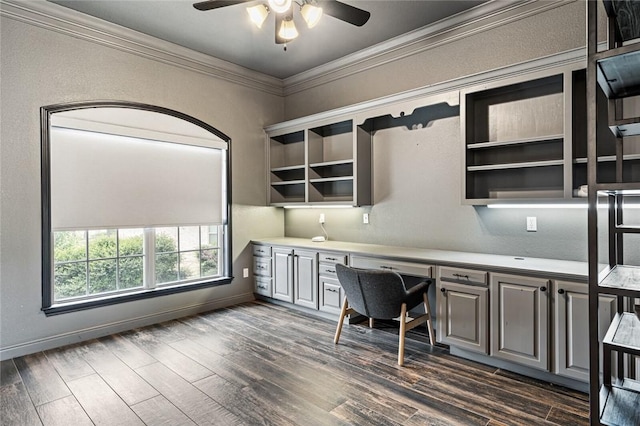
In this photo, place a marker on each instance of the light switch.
(365, 218)
(532, 224)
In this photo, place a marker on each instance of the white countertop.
(531, 266)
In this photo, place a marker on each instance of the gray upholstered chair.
(383, 295)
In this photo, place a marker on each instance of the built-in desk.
(529, 266)
(520, 313)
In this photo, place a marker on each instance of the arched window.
(135, 204)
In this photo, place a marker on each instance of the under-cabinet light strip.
(335, 206)
(554, 206)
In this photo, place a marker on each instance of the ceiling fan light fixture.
(288, 30)
(258, 14)
(279, 6)
(311, 14)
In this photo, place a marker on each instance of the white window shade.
(102, 181)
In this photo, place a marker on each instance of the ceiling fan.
(311, 11)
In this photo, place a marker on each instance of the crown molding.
(484, 17)
(66, 21)
(465, 24)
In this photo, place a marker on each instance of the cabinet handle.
(331, 258)
(461, 276)
(264, 287)
(560, 291)
(444, 290)
(332, 290)
(389, 268)
(543, 288)
(331, 271)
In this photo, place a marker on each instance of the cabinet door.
(571, 327)
(330, 295)
(463, 316)
(305, 280)
(519, 319)
(283, 274)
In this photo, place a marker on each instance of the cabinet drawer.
(264, 251)
(263, 286)
(462, 276)
(330, 295)
(327, 270)
(262, 266)
(407, 268)
(332, 258)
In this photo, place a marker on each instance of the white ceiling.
(226, 33)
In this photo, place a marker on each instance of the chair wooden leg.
(343, 313)
(403, 330)
(427, 309)
(371, 321)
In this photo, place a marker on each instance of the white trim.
(465, 24)
(70, 22)
(102, 330)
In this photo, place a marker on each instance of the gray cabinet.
(305, 278)
(462, 300)
(329, 163)
(329, 288)
(295, 276)
(262, 270)
(571, 327)
(519, 139)
(519, 319)
(282, 274)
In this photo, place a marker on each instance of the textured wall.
(556, 30)
(417, 174)
(41, 67)
(417, 192)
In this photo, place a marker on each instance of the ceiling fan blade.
(345, 12)
(215, 4)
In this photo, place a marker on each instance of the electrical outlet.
(321, 219)
(365, 218)
(245, 273)
(532, 224)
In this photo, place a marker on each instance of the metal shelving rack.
(614, 391)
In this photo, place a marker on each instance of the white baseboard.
(95, 332)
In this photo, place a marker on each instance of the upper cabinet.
(522, 138)
(320, 164)
(287, 161)
(336, 154)
(327, 161)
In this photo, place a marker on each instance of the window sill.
(65, 308)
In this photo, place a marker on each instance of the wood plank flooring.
(263, 364)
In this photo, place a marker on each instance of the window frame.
(47, 232)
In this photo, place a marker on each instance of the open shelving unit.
(331, 162)
(613, 85)
(326, 159)
(514, 139)
(520, 136)
(321, 164)
(287, 168)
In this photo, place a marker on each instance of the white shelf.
(495, 144)
(528, 164)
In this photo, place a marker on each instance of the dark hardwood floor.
(260, 363)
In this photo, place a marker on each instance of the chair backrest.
(375, 294)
